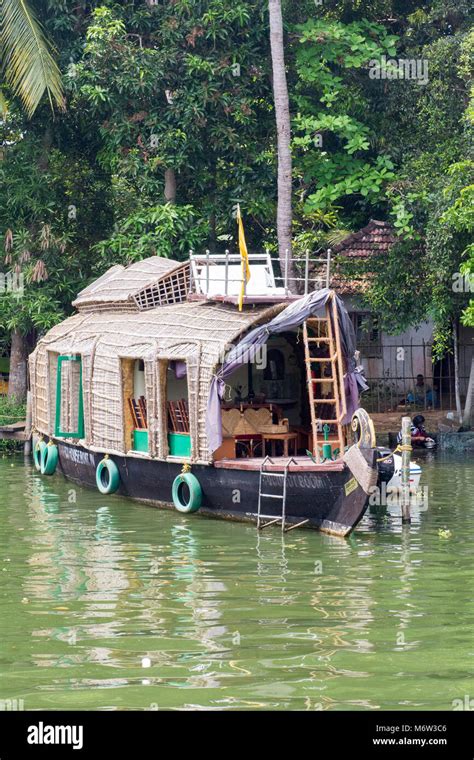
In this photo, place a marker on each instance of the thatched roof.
(199, 332)
(120, 286)
(212, 325)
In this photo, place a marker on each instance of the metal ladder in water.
(271, 519)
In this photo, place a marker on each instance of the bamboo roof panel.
(119, 285)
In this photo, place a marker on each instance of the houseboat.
(169, 387)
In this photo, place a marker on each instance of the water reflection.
(228, 617)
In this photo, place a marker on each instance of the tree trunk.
(456, 371)
(282, 113)
(17, 384)
(18, 355)
(46, 143)
(212, 232)
(170, 186)
(469, 407)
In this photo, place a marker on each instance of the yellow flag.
(244, 257)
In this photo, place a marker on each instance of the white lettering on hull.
(78, 456)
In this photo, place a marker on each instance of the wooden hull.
(331, 500)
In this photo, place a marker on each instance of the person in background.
(422, 393)
(419, 436)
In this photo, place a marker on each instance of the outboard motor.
(386, 468)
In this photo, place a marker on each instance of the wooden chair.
(139, 412)
(178, 416)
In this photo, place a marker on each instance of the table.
(287, 438)
(250, 441)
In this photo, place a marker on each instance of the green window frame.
(79, 433)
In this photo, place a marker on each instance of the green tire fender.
(195, 493)
(38, 446)
(49, 458)
(107, 476)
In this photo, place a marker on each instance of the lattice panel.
(171, 289)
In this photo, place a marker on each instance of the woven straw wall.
(195, 332)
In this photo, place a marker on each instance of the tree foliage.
(429, 129)
(27, 57)
(185, 87)
(182, 86)
(339, 159)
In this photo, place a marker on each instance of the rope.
(400, 447)
(228, 391)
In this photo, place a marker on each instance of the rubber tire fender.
(111, 481)
(38, 446)
(195, 492)
(49, 459)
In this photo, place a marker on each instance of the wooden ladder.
(324, 332)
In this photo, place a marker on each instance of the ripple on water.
(228, 618)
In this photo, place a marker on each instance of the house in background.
(392, 362)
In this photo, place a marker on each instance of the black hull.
(331, 501)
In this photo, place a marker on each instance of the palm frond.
(28, 64)
(334, 237)
(3, 104)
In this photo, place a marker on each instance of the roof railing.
(210, 269)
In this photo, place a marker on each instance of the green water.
(91, 585)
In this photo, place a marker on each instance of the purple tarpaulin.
(179, 368)
(288, 319)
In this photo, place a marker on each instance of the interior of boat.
(285, 403)
(265, 408)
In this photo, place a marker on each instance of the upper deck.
(156, 281)
(220, 277)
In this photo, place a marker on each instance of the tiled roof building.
(374, 239)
